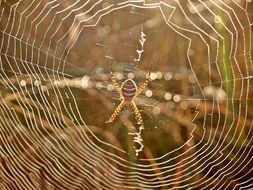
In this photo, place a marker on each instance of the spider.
(128, 92)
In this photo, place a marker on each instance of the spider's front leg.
(116, 112)
(137, 113)
(115, 84)
(142, 87)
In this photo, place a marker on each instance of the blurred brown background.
(56, 94)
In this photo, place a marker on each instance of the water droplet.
(130, 75)
(85, 82)
(153, 76)
(167, 96)
(107, 29)
(221, 95)
(217, 19)
(191, 79)
(99, 85)
(56, 83)
(36, 83)
(156, 110)
(99, 70)
(159, 75)
(148, 93)
(176, 98)
(22, 83)
(110, 87)
(44, 88)
(119, 76)
(184, 105)
(168, 76)
(209, 91)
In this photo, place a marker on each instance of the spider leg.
(116, 112)
(141, 88)
(137, 113)
(115, 84)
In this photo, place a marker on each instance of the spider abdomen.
(128, 89)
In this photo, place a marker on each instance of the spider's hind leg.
(137, 113)
(116, 112)
(115, 84)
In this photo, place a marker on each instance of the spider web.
(56, 94)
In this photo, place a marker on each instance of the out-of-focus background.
(56, 94)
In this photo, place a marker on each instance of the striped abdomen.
(128, 89)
